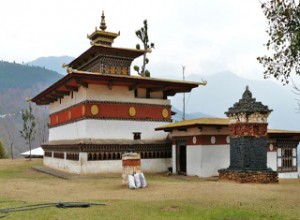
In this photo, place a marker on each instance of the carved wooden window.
(59, 155)
(48, 154)
(72, 156)
(287, 159)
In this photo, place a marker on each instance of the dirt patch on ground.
(171, 209)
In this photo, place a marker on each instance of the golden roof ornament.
(102, 37)
(103, 24)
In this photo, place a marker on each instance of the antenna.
(183, 110)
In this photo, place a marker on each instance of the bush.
(2, 151)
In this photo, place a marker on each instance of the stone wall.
(248, 153)
(267, 176)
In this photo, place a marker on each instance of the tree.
(28, 132)
(2, 151)
(284, 32)
(41, 119)
(142, 34)
(10, 135)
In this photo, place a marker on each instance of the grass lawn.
(166, 197)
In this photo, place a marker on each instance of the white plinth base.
(108, 166)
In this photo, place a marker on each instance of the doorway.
(181, 159)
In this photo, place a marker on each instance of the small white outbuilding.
(201, 147)
(37, 152)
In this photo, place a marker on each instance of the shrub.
(2, 151)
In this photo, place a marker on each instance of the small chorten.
(102, 37)
(248, 128)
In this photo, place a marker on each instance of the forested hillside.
(13, 75)
(18, 82)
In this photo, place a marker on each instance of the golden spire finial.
(103, 24)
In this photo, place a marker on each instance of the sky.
(205, 36)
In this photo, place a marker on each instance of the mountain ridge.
(225, 88)
(53, 63)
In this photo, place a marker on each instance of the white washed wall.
(119, 94)
(67, 101)
(107, 129)
(272, 160)
(155, 165)
(205, 161)
(109, 166)
(174, 168)
(62, 164)
(288, 175)
(72, 131)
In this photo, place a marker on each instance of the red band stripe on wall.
(204, 140)
(118, 111)
(134, 162)
(197, 140)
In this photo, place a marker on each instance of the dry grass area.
(166, 197)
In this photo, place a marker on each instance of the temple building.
(99, 110)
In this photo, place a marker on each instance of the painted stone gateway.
(248, 128)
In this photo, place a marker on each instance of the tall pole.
(183, 110)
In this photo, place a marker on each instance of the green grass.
(18, 169)
(146, 210)
(166, 197)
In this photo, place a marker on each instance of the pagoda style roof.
(247, 105)
(195, 123)
(224, 122)
(98, 50)
(278, 131)
(295, 135)
(101, 41)
(102, 37)
(75, 79)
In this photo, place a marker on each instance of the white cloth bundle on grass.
(131, 183)
(137, 180)
(142, 180)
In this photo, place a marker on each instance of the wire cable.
(5, 211)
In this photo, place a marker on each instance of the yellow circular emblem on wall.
(165, 113)
(83, 110)
(132, 111)
(70, 115)
(94, 109)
